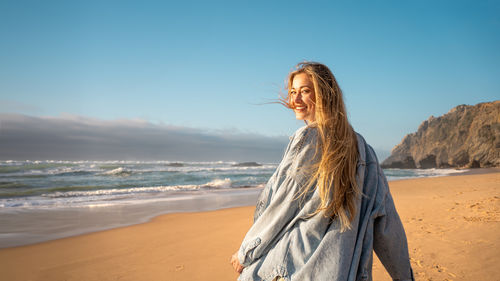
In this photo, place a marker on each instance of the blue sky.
(211, 64)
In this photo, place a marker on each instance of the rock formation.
(468, 136)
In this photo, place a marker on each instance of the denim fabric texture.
(285, 241)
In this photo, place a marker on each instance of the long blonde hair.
(334, 175)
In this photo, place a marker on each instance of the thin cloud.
(18, 107)
(73, 137)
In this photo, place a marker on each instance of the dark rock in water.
(175, 164)
(468, 136)
(406, 163)
(247, 164)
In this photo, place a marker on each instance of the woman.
(328, 205)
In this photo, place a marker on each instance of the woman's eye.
(292, 92)
(306, 91)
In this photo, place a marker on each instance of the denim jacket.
(285, 241)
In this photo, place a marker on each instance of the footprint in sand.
(475, 205)
(418, 262)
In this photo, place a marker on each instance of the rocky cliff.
(468, 136)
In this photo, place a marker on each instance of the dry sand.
(452, 224)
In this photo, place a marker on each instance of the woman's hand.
(236, 263)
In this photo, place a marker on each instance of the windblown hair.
(334, 174)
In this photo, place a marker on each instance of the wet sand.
(452, 224)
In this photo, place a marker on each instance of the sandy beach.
(452, 224)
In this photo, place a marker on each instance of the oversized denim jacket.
(285, 241)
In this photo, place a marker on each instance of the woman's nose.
(297, 98)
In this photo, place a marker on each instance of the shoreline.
(478, 171)
(29, 227)
(452, 225)
(43, 225)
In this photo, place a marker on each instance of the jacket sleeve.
(390, 243)
(283, 206)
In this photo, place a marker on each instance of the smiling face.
(302, 97)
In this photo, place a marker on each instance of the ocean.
(44, 200)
